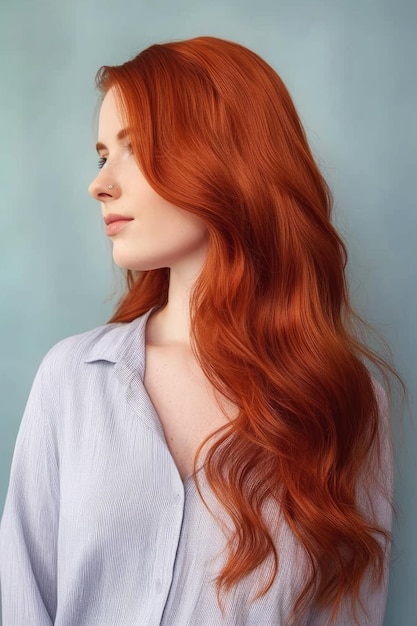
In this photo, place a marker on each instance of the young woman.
(218, 453)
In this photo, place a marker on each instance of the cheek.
(174, 220)
(188, 231)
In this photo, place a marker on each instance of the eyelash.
(102, 160)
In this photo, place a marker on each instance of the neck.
(171, 325)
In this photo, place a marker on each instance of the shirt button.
(158, 586)
(177, 498)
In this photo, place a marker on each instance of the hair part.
(215, 132)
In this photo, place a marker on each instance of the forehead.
(110, 112)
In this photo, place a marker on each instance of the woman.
(218, 453)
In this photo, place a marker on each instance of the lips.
(115, 223)
(113, 217)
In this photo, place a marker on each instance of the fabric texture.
(98, 527)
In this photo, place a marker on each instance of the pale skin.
(160, 235)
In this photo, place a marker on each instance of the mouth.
(113, 226)
(114, 217)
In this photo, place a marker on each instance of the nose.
(101, 188)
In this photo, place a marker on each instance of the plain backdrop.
(350, 67)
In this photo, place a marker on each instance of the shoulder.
(383, 439)
(381, 398)
(74, 351)
(79, 371)
(375, 486)
(110, 343)
(79, 346)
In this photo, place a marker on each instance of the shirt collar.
(123, 343)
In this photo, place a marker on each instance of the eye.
(101, 162)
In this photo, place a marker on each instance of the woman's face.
(159, 234)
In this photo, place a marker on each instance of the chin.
(130, 262)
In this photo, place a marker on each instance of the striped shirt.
(98, 527)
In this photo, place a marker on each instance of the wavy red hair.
(216, 133)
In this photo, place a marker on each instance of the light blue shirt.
(98, 527)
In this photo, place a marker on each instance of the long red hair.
(216, 133)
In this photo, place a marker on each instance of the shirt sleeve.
(375, 499)
(29, 526)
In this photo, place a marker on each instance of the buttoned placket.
(167, 550)
(171, 516)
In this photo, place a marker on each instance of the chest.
(187, 405)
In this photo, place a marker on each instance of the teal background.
(351, 69)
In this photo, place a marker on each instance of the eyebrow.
(120, 135)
